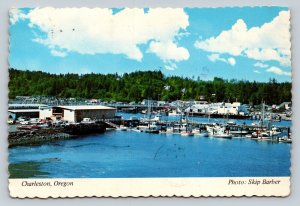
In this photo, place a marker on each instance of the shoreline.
(26, 138)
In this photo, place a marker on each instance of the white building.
(77, 113)
(235, 108)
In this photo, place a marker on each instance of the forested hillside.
(140, 85)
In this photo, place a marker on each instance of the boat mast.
(149, 109)
(263, 113)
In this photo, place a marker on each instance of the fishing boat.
(150, 128)
(285, 139)
(218, 131)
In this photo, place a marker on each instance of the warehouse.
(78, 112)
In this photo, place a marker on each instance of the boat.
(285, 139)
(262, 135)
(267, 135)
(275, 131)
(222, 135)
(231, 122)
(218, 131)
(169, 130)
(196, 131)
(187, 133)
(122, 128)
(256, 123)
(174, 113)
(24, 122)
(244, 132)
(150, 128)
(135, 130)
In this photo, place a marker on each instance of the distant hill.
(140, 85)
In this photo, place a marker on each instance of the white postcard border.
(145, 187)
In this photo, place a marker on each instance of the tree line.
(140, 85)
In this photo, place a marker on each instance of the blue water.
(132, 154)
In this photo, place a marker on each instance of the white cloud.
(271, 41)
(16, 15)
(278, 71)
(231, 61)
(216, 57)
(261, 65)
(99, 31)
(256, 71)
(168, 51)
(58, 53)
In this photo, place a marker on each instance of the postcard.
(139, 102)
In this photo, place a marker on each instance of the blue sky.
(251, 43)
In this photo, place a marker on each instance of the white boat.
(285, 139)
(169, 130)
(255, 123)
(24, 122)
(135, 130)
(200, 134)
(196, 131)
(267, 135)
(122, 128)
(218, 132)
(275, 131)
(231, 122)
(187, 133)
(150, 128)
(174, 113)
(238, 132)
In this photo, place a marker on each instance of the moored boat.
(187, 133)
(218, 131)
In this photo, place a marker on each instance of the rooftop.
(86, 107)
(23, 110)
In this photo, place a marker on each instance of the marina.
(78, 120)
(149, 146)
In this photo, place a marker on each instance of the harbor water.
(117, 154)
